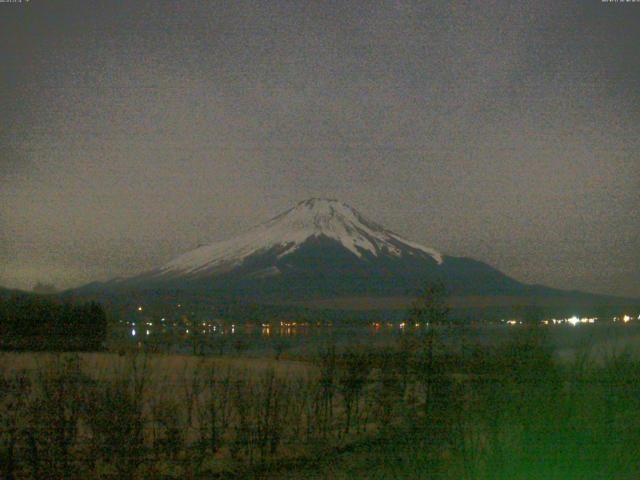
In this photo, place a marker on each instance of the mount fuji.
(319, 251)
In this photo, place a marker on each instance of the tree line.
(31, 322)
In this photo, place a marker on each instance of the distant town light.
(148, 332)
(573, 320)
(139, 309)
(626, 318)
(133, 332)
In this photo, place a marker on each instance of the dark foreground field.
(410, 409)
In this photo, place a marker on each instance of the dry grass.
(171, 367)
(493, 412)
(260, 409)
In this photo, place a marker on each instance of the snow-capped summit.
(316, 218)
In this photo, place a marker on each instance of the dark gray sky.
(506, 131)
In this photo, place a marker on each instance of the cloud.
(139, 131)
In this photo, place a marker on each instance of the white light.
(133, 332)
(626, 318)
(147, 332)
(139, 309)
(573, 320)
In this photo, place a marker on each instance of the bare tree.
(429, 310)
